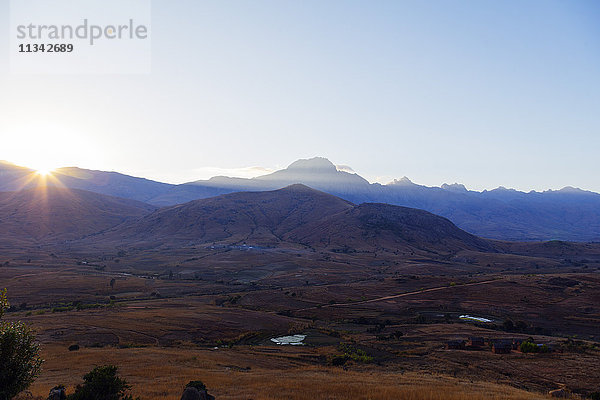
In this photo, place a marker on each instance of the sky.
(484, 93)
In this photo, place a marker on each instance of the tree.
(20, 362)
(102, 383)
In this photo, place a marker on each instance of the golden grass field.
(161, 373)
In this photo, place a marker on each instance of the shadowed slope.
(296, 215)
(370, 226)
(48, 213)
(260, 218)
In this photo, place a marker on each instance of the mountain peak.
(571, 189)
(503, 189)
(315, 163)
(455, 187)
(404, 181)
(298, 187)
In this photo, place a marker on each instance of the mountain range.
(293, 217)
(568, 214)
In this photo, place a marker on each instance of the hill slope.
(44, 214)
(371, 226)
(15, 178)
(296, 215)
(246, 217)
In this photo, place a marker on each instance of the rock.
(559, 393)
(57, 393)
(74, 347)
(191, 393)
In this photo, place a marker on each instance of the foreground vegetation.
(20, 363)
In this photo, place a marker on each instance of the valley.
(227, 303)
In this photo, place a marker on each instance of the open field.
(266, 373)
(170, 316)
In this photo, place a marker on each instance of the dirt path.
(395, 296)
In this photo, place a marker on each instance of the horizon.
(266, 171)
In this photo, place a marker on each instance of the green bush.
(102, 383)
(529, 346)
(351, 353)
(20, 363)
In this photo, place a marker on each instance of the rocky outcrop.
(191, 393)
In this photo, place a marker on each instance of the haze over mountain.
(13, 178)
(506, 214)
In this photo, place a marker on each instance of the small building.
(455, 345)
(501, 347)
(476, 341)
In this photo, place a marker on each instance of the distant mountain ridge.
(506, 214)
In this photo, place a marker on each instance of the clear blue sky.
(485, 93)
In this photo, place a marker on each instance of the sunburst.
(44, 172)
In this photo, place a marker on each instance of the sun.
(44, 172)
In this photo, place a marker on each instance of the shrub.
(529, 347)
(102, 383)
(351, 353)
(20, 363)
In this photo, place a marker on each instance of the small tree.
(20, 363)
(102, 383)
(529, 347)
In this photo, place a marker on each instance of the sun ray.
(41, 177)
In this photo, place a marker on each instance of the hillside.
(15, 178)
(260, 218)
(44, 214)
(295, 215)
(382, 226)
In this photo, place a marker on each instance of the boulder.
(57, 393)
(191, 393)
